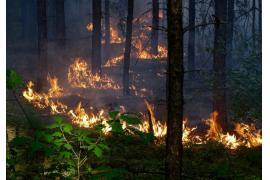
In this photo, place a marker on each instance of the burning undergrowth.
(141, 49)
(80, 76)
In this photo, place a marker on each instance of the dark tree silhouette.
(96, 37)
(107, 29)
(260, 17)
(42, 44)
(25, 16)
(60, 22)
(230, 31)
(155, 24)
(175, 78)
(219, 62)
(254, 23)
(128, 48)
(191, 39)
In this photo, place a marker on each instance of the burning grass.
(79, 75)
(244, 134)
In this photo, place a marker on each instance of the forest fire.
(79, 75)
(44, 100)
(114, 61)
(134, 89)
(245, 135)
(141, 53)
(145, 53)
(115, 38)
(158, 128)
(81, 118)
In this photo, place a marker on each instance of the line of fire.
(133, 89)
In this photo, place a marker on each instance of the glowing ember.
(89, 27)
(145, 53)
(115, 38)
(79, 75)
(114, 61)
(143, 92)
(114, 35)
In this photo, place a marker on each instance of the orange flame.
(114, 61)
(79, 75)
(246, 135)
(44, 100)
(89, 27)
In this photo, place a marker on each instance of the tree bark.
(175, 78)
(155, 24)
(254, 24)
(42, 44)
(230, 32)
(128, 48)
(60, 22)
(96, 37)
(191, 39)
(25, 16)
(260, 17)
(219, 62)
(107, 29)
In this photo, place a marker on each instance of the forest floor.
(146, 160)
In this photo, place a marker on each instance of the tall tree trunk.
(191, 39)
(42, 44)
(230, 32)
(219, 64)
(155, 24)
(60, 22)
(128, 48)
(254, 24)
(107, 29)
(25, 16)
(229, 47)
(96, 37)
(175, 79)
(260, 17)
(60, 28)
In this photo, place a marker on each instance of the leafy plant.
(66, 151)
(13, 79)
(117, 119)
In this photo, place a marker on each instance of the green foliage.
(147, 137)
(130, 119)
(106, 172)
(62, 151)
(13, 79)
(116, 118)
(66, 152)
